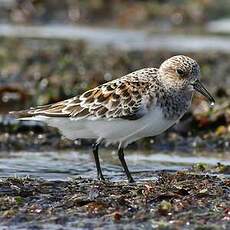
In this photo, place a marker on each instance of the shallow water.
(120, 38)
(64, 165)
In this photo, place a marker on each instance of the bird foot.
(100, 178)
(131, 180)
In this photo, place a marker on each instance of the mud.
(184, 199)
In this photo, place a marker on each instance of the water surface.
(63, 165)
(120, 38)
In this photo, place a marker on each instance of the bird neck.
(173, 101)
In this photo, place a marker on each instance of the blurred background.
(51, 50)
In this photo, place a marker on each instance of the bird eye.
(180, 71)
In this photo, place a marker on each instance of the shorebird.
(143, 103)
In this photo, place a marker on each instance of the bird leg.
(124, 165)
(95, 153)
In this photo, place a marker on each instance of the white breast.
(112, 131)
(152, 124)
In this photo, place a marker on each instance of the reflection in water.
(65, 164)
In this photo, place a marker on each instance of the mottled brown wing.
(116, 99)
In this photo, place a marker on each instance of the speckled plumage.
(143, 103)
(126, 97)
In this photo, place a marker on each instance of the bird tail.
(28, 112)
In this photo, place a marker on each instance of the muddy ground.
(186, 199)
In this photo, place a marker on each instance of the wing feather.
(128, 97)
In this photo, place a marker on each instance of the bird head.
(182, 72)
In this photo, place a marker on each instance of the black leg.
(95, 153)
(124, 165)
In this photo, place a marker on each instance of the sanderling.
(141, 104)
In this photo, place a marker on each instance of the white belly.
(112, 131)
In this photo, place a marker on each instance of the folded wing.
(122, 98)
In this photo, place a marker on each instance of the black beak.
(199, 87)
